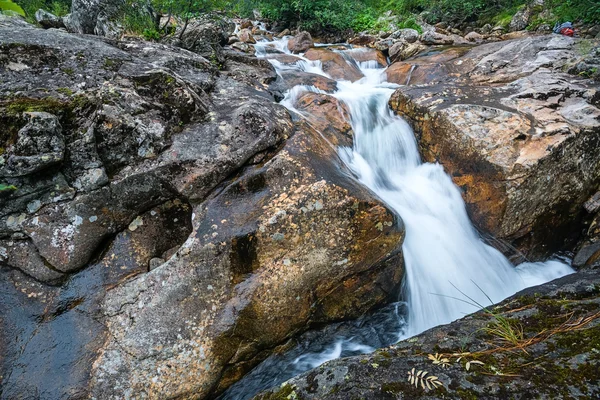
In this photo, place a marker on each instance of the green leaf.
(8, 7)
(4, 187)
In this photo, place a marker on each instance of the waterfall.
(445, 258)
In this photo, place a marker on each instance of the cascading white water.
(445, 258)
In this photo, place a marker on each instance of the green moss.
(286, 392)
(169, 80)
(11, 113)
(466, 394)
(409, 391)
(21, 105)
(68, 71)
(578, 341)
(66, 91)
(383, 353)
(382, 361)
(393, 387)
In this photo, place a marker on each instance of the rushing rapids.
(450, 270)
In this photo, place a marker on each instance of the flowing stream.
(445, 258)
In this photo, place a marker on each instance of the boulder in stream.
(520, 138)
(334, 64)
(300, 43)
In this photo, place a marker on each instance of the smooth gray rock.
(407, 34)
(48, 20)
(431, 37)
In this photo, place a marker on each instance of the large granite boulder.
(48, 20)
(553, 354)
(520, 138)
(205, 36)
(97, 17)
(300, 43)
(280, 248)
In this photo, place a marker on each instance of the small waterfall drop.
(443, 253)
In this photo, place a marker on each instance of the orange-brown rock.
(300, 43)
(526, 154)
(368, 54)
(328, 116)
(425, 70)
(245, 36)
(293, 78)
(334, 64)
(363, 40)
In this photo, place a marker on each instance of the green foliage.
(137, 18)
(411, 23)
(7, 188)
(575, 10)
(503, 19)
(57, 7)
(8, 7)
(151, 34)
(143, 18)
(315, 15)
(60, 8)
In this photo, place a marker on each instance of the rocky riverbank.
(553, 355)
(165, 225)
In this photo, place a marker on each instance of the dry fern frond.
(438, 359)
(419, 378)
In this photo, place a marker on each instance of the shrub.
(411, 23)
(56, 7)
(8, 7)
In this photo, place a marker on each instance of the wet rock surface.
(519, 137)
(556, 357)
(300, 43)
(334, 64)
(163, 224)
